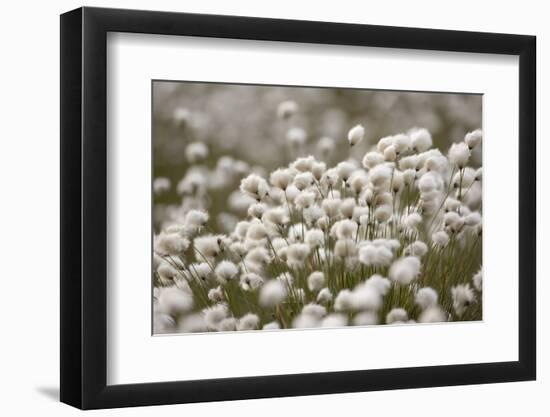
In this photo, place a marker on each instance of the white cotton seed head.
(440, 238)
(473, 139)
(472, 219)
(404, 270)
(303, 164)
(346, 229)
(303, 180)
(324, 296)
(271, 326)
(256, 231)
(380, 175)
(356, 135)
(402, 143)
(173, 301)
(366, 297)
(304, 200)
(195, 152)
(375, 255)
(216, 294)
(412, 220)
(161, 185)
(344, 301)
(297, 254)
(315, 238)
(248, 322)
(334, 320)
(345, 169)
(171, 244)
(281, 178)
(226, 271)
(331, 206)
(228, 324)
(397, 315)
(345, 248)
(384, 143)
(193, 323)
(257, 210)
(383, 213)
(207, 246)
(316, 281)
(463, 297)
(381, 284)
(365, 318)
(315, 310)
(372, 159)
(305, 321)
(254, 186)
(421, 139)
(215, 314)
(459, 154)
(251, 281)
(390, 153)
(272, 293)
(432, 314)
(296, 137)
(426, 297)
(287, 109)
(417, 248)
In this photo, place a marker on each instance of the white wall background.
(29, 226)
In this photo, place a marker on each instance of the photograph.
(297, 207)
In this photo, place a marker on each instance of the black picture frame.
(84, 207)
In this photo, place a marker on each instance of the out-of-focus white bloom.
(201, 271)
(404, 270)
(331, 206)
(370, 254)
(346, 208)
(345, 248)
(459, 154)
(380, 175)
(316, 281)
(303, 180)
(248, 322)
(304, 200)
(397, 315)
(256, 231)
(453, 221)
(477, 279)
(335, 320)
(226, 271)
(251, 281)
(181, 116)
(315, 238)
(305, 321)
(287, 109)
(326, 145)
(432, 314)
(412, 220)
(228, 324)
(296, 137)
(345, 169)
(271, 326)
(281, 178)
(195, 152)
(272, 293)
(171, 244)
(383, 213)
(303, 164)
(426, 297)
(344, 301)
(216, 294)
(315, 310)
(402, 143)
(254, 186)
(215, 314)
(173, 301)
(365, 318)
(366, 297)
(193, 323)
(472, 219)
(257, 210)
(161, 185)
(356, 135)
(167, 272)
(479, 174)
(324, 296)
(297, 254)
(330, 178)
(345, 229)
(421, 139)
(372, 159)
(417, 248)
(381, 284)
(463, 297)
(207, 246)
(440, 238)
(472, 139)
(384, 143)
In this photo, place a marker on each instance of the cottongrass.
(392, 239)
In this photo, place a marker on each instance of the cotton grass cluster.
(392, 238)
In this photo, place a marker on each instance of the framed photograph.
(259, 208)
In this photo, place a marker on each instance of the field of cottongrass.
(389, 232)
